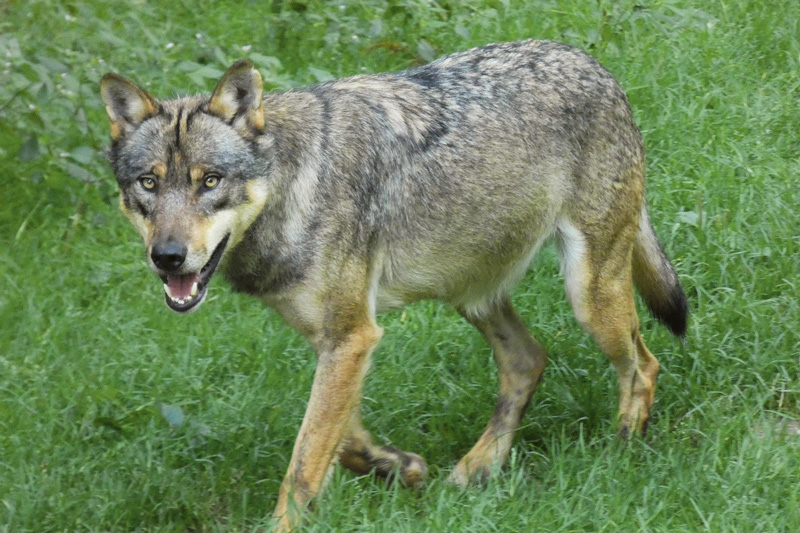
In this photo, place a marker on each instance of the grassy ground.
(116, 414)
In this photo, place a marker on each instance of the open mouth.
(186, 292)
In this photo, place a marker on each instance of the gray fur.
(367, 193)
(454, 191)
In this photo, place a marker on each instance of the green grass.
(116, 414)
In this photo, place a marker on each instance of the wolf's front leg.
(335, 396)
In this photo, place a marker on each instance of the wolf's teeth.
(182, 301)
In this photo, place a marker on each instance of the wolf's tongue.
(181, 286)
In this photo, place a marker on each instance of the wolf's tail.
(657, 281)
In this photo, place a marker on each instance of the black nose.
(168, 255)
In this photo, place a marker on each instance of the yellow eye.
(211, 181)
(148, 182)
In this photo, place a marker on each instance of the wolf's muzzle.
(184, 291)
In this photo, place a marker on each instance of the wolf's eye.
(211, 181)
(147, 182)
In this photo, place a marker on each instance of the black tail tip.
(674, 312)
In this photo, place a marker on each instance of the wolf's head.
(191, 174)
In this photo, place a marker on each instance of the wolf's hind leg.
(520, 361)
(599, 284)
(360, 455)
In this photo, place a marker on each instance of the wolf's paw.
(413, 473)
(465, 474)
(408, 468)
(630, 426)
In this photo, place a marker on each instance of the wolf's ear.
(238, 93)
(126, 104)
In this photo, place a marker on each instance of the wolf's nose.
(168, 255)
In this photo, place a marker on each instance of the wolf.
(334, 202)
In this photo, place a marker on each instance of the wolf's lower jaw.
(196, 288)
(188, 304)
